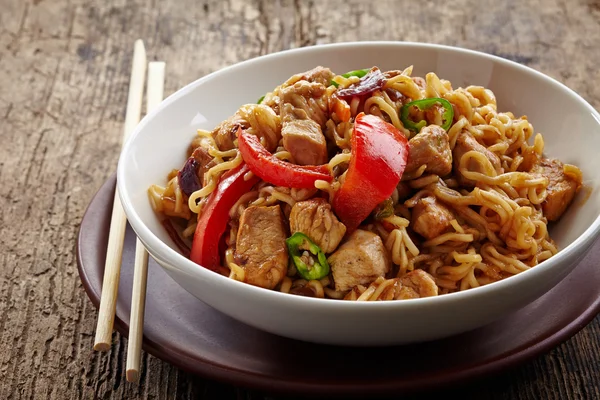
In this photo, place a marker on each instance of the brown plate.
(189, 334)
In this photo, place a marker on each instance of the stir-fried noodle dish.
(369, 185)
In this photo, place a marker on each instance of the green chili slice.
(316, 265)
(359, 72)
(425, 104)
(384, 209)
(261, 99)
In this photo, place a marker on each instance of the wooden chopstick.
(154, 95)
(118, 222)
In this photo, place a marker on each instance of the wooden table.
(64, 70)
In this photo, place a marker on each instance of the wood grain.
(64, 70)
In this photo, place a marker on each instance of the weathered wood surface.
(64, 69)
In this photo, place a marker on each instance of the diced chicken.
(197, 142)
(530, 159)
(318, 74)
(430, 147)
(225, 132)
(359, 261)
(561, 188)
(316, 220)
(416, 284)
(205, 162)
(308, 97)
(256, 119)
(430, 218)
(305, 142)
(465, 142)
(340, 108)
(304, 111)
(260, 246)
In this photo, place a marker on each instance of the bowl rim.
(172, 257)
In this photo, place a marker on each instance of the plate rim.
(240, 377)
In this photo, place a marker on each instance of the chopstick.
(154, 95)
(118, 222)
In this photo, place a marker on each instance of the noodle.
(493, 207)
(212, 179)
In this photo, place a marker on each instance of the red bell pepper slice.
(275, 171)
(378, 157)
(214, 216)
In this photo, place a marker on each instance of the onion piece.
(369, 83)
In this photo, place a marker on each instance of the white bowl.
(570, 126)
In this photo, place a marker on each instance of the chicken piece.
(305, 142)
(256, 119)
(561, 188)
(430, 218)
(304, 111)
(318, 74)
(198, 141)
(306, 96)
(260, 246)
(205, 162)
(340, 108)
(225, 132)
(530, 159)
(359, 260)
(416, 284)
(198, 150)
(316, 220)
(430, 147)
(465, 142)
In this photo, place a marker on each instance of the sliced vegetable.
(309, 259)
(275, 171)
(261, 99)
(425, 104)
(379, 155)
(384, 209)
(359, 72)
(214, 217)
(188, 177)
(340, 107)
(368, 84)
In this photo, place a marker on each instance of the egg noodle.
(499, 226)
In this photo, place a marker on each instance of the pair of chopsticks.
(118, 223)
